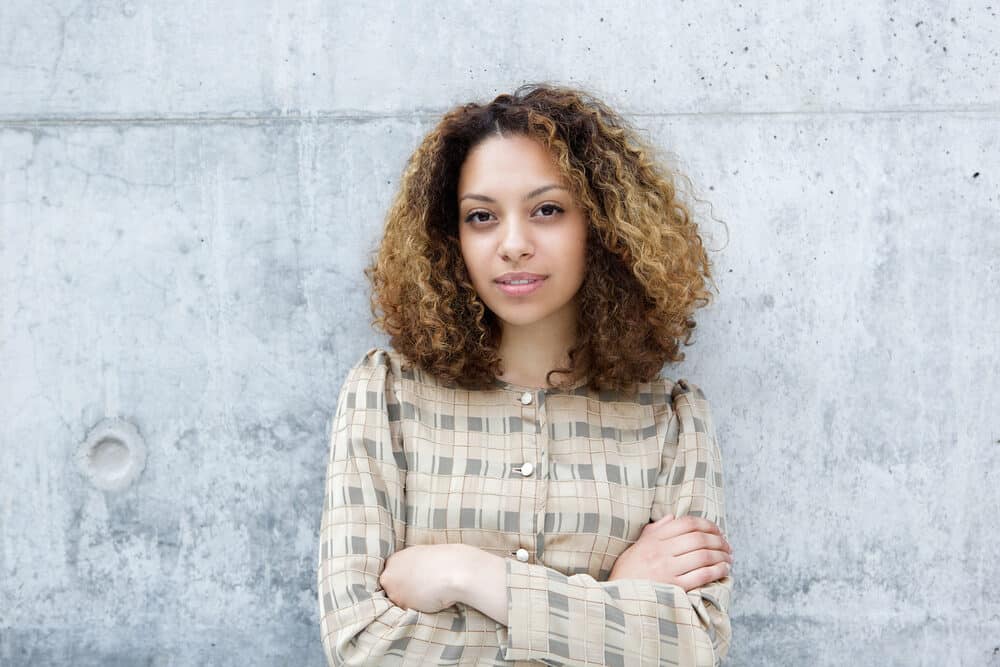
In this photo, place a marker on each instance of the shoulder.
(381, 361)
(683, 387)
(690, 405)
(371, 374)
(687, 396)
(386, 369)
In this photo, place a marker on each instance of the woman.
(513, 481)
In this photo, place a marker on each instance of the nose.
(515, 242)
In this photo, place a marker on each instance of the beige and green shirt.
(557, 482)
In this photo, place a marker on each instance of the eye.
(550, 206)
(471, 216)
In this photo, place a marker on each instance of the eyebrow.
(533, 193)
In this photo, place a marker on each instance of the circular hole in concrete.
(109, 457)
(113, 455)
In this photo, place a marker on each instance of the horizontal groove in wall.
(371, 116)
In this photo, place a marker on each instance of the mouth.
(520, 287)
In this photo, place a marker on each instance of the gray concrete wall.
(188, 193)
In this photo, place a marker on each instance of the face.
(515, 215)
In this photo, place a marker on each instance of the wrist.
(460, 564)
(481, 582)
(470, 563)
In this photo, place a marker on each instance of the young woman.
(513, 482)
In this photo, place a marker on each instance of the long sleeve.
(362, 525)
(578, 620)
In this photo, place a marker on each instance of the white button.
(527, 468)
(522, 555)
(526, 398)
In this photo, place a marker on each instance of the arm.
(481, 582)
(363, 523)
(577, 620)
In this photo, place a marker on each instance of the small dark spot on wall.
(975, 175)
(918, 24)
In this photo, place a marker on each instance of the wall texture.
(188, 194)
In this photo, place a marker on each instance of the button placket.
(541, 467)
(529, 451)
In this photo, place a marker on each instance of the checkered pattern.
(414, 461)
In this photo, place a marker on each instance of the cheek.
(473, 262)
(580, 255)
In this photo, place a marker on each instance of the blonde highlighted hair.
(647, 268)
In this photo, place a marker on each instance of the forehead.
(499, 161)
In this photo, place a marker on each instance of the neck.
(532, 350)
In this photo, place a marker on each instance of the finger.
(662, 520)
(682, 544)
(700, 558)
(703, 576)
(685, 524)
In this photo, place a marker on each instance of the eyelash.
(469, 217)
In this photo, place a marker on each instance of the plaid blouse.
(559, 483)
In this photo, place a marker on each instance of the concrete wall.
(188, 193)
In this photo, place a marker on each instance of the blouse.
(558, 482)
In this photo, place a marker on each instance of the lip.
(520, 290)
(519, 275)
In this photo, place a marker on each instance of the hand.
(423, 576)
(688, 551)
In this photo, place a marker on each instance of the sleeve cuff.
(527, 621)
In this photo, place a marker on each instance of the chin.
(522, 318)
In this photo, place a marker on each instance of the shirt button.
(527, 468)
(522, 555)
(526, 398)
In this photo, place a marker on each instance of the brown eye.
(471, 216)
(551, 207)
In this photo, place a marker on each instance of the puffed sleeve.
(362, 525)
(577, 620)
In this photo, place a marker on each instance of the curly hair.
(646, 264)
